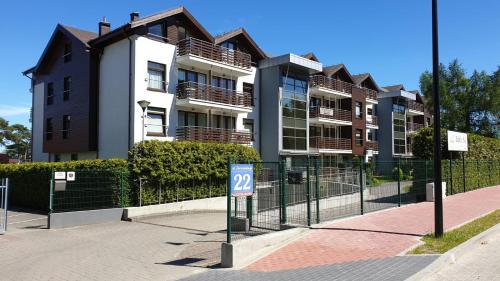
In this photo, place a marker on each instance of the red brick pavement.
(377, 235)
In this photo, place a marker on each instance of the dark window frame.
(68, 50)
(248, 88)
(74, 156)
(157, 111)
(50, 93)
(358, 104)
(67, 88)
(158, 67)
(49, 129)
(66, 128)
(358, 141)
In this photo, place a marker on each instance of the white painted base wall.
(212, 204)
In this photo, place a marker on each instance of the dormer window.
(229, 45)
(67, 52)
(182, 33)
(156, 30)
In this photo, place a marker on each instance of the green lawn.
(457, 236)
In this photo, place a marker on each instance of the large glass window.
(67, 52)
(294, 113)
(359, 137)
(156, 121)
(228, 45)
(359, 110)
(156, 76)
(191, 76)
(399, 130)
(191, 119)
(248, 125)
(49, 129)
(50, 93)
(225, 83)
(156, 30)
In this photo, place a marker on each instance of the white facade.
(118, 130)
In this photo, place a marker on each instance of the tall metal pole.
(143, 122)
(438, 196)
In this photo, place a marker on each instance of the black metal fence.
(309, 193)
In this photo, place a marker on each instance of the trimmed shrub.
(480, 147)
(183, 169)
(29, 184)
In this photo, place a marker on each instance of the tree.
(468, 104)
(19, 140)
(4, 124)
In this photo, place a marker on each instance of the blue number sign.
(241, 179)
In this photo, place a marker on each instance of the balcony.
(331, 144)
(320, 84)
(413, 127)
(371, 96)
(372, 121)
(326, 115)
(197, 95)
(415, 108)
(205, 55)
(219, 135)
(372, 145)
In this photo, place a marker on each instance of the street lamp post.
(144, 105)
(438, 191)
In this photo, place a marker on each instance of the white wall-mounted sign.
(71, 176)
(60, 175)
(457, 141)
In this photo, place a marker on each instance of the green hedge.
(480, 147)
(183, 169)
(29, 184)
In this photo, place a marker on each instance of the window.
(66, 126)
(223, 122)
(57, 157)
(248, 125)
(398, 108)
(428, 122)
(248, 89)
(294, 113)
(191, 76)
(49, 129)
(67, 88)
(67, 52)
(182, 33)
(156, 76)
(359, 137)
(225, 83)
(398, 120)
(191, 119)
(369, 136)
(229, 45)
(74, 157)
(369, 111)
(156, 30)
(50, 93)
(155, 124)
(359, 110)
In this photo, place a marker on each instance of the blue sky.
(391, 39)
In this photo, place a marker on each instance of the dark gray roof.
(82, 35)
(395, 88)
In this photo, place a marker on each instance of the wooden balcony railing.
(197, 47)
(330, 143)
(207, 134)
(372, 145)
(372, 121)
(205, 92)
(413, 127)
(330, 83)
(371, 94)
(415, 106)
(330, 113)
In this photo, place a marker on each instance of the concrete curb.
(244, 252)
(454, 254)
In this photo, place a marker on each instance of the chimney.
(134, 16)
(104, 27)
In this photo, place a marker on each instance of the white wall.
(87, 155)
(158, 52)
(37, 122)
(114, 101)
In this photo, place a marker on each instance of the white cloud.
(13, 110)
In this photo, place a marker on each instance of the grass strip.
(457, 236)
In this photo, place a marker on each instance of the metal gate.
(4, 188)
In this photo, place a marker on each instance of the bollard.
(308, 194)
(317, 191)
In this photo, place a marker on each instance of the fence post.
(489, 174)
(478, 175)
(399, 182)
(228, 215)
(140, 192)
(463, 171)
(451, 175)
(308, 193)
(317, 191)
(51, 194)
(361, 167)
(249, 210)
(285, 193)
(121, 188)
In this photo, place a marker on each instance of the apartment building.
(401, 113)
(165, 77)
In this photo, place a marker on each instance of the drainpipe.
(130, 102)
(32, 109)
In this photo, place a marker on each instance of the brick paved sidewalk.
(377, 235)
